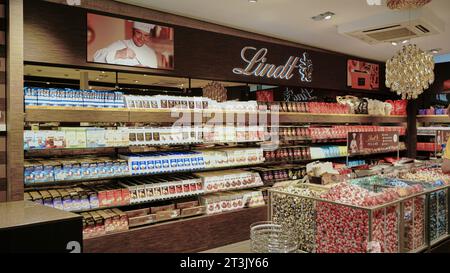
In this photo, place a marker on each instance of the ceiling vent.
(394, 26)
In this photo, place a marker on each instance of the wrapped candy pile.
(438, 214)
(297, 214)
(345, 229)
(414, 208)
(434, 176)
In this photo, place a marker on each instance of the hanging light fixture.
(411, 70)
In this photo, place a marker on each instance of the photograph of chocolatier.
(130, 43)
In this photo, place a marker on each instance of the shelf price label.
(372, 142)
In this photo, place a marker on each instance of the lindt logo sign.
(257, 65)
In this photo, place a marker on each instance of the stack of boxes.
(73, 98)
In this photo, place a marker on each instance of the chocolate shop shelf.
(433, 119)
(185, 235)
(71, 182)
(102, 179)
(113, 115)
(162, 199)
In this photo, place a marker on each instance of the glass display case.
(324, 226)
(412, 207)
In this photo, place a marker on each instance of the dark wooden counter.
(33, 228)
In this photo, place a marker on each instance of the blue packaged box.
(30, 96)
(85, 170)
(119, 100)
(29, 172)
(150, 165)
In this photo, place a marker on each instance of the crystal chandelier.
(406, 4)
(410, 72)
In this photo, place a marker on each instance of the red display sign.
(447, 85)
(363, 75)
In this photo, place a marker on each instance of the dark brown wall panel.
(190, 235)
(61, 39)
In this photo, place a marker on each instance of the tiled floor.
(242, 247)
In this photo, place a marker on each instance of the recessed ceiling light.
(47, 83)
(252, 1)
(324, 16)
(103, 72)
(145, 75)
(394, 43)
(405, 41)
(97, 79)
(435, 50)
(136, 81)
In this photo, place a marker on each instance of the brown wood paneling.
(70, 152)
(189, 235)
(3, 171)
(68, 114)
(3, 186)
(433, 119)
(138, 12)
(2, 91)
(61, 39)
(15, 117)
(3, 196)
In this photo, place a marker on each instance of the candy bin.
(436, 183)
(438, 213)
(412, 207)
(356, 220)
(343, 219)
(293, 208)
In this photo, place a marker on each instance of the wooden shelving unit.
(73, 114)
(433, 119)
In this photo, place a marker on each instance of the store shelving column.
(15, 111)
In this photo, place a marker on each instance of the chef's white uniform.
(145, 56)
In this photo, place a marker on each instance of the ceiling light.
(405, 41)
(136, 81)
(103, 72)
(324, 16)
(47, 83)
(97, 79)
(435, 51)
(252, 1)
(145, 75)
(394, 43)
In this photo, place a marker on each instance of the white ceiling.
(291, 20)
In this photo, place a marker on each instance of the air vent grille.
(381, 28)
(392, 34)
(423, 29)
